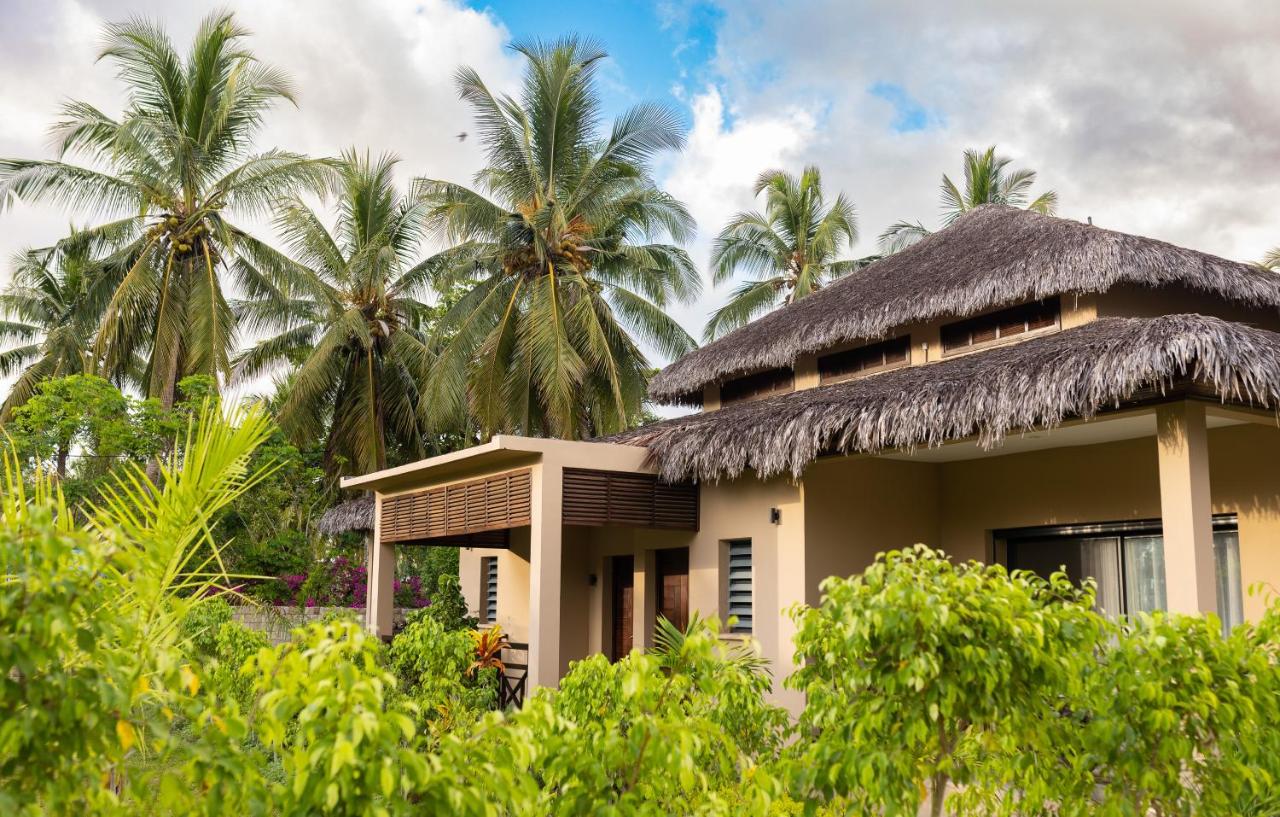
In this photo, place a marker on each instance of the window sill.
(845, 378)
(1009, 341)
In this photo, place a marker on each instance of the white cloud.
(1152, 116)
(378, 74)
(715, 173)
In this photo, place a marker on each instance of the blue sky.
(658, 51)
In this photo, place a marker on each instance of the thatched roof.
(1033, 384)
(354, 515)
(991, 256)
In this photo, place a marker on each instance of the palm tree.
(1271, 260)
(791, 248)
(344, 316)
(987, 180)
(559, 248)
(51, 308)
(174, 166)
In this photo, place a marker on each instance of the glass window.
(1144, 587)
(1128, 565)
(1226, 557)
(489, 610)
(739, 584)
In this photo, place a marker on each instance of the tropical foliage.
(790, 250)
(346, 316)
(559, 247)
(175, 168)
(988, 179)
(918, 675)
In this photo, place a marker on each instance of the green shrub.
(325, 705)
(448, 606)
(200, 627)
(432, 665)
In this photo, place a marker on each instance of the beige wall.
(857, 507)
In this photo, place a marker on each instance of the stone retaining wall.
(278, 622)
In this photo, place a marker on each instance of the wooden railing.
(512, 683)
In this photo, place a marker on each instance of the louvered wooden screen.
(740, 589)
(634, 500)
(488, 504)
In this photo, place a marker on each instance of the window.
(739, 584)
(1126, 560)
(1000, 325)
(839, 366)
(757, 386)
(489, 600)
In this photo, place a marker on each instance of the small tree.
(920, 668)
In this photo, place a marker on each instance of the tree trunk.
(168, 391)
(937, 794)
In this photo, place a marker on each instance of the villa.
(1015, 388)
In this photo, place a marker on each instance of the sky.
(1157, 117)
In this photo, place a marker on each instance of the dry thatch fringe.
(1033, 384)
(354, 515)
(991, 256)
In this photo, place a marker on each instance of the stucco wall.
(859, 506)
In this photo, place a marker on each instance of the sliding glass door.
(1126, 561)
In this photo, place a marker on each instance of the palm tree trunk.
(168, 391)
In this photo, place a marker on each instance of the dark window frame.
(742, 574)
(758, 386)
(1007, 540)
(860, 361)
(489, 586)
(992, 328)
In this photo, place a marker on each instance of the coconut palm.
(1271, 260)
(343, 314)
(175, 167)
(560, 245)
(987, 180)
(51, 309)
(791, 249)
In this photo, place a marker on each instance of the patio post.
(1186, 507)
(545, 564)
(380, 592)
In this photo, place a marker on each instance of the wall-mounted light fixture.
(775, 516)
(591, 579)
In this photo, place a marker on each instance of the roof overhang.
(504, 451)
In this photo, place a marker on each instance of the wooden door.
(623, 595)
(673, 585)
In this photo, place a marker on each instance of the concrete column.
(545, 569)
(381, 563)
(793, 587)
(1186, 508)
(644, 598)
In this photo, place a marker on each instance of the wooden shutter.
(488, 504)
(1006, 323)
(757, 386)
(850, 363)
(739, 581)
(633, 500)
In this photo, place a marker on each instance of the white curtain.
(1100, 561)
(1226, 557)
(1144, 573)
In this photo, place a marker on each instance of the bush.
(433, 666)
(448, 606)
